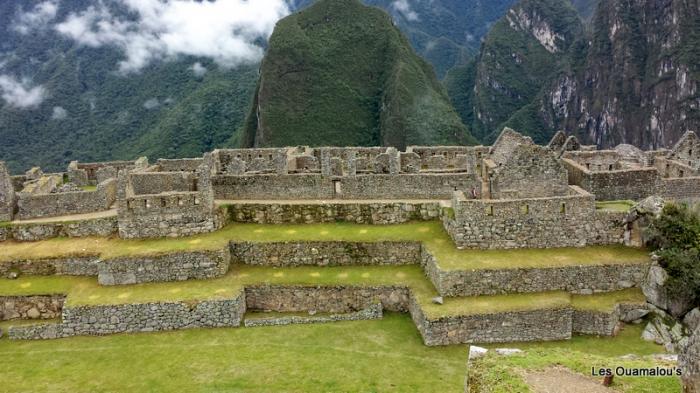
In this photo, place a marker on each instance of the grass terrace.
(579, 354)
(377, 355)
(86, 290)
(614, 206)
(431, 234)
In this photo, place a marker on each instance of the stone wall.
(535, 325)
(583, 279)
(634, 184)
(530, 171)
(100, 227)
(68, 266)
(361, 213)
(130, 318)
(681, 188)
(168, 213)
(172, 214)
(595, 322)
(66, 203)
(316, 186)
(199, 265)
(338, 253)
(7, 194)
(325, 299)
(372, 312)
(145, 183)
(31, 307)
(522, 223)
(179, 165)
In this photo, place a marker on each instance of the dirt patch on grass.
(562, 380)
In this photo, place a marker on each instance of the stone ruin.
(512, 194)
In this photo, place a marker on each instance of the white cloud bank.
(404, 8)
(227, 31)
(20, 94)
(37, 18)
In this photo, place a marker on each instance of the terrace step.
(254, 319)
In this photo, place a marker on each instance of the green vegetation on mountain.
(444, 32)
(517, 58)
(163, 111)
(340, 73)
(620, 80)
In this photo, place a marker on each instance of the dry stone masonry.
(511, 195)
(514, 194)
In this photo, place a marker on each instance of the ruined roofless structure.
(514, 194)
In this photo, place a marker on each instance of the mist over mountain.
(120, 78)
(115, 79)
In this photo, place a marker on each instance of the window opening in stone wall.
(147, 204)
(563, 208)
(489, 210)
(680, 173)
(525, 209)
(610, 167)
(336, 187)
(162, 202)
(196, 200)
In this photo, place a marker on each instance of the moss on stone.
(432, 234)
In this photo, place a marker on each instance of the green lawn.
(369, 356)
(503, 374)
(432, 234)
(615, 206)
(379, 355)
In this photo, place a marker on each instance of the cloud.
(198, 69)
(404, 8)
(20, 94)
(151, 104)
(59, 113)
(227, 31)
(37, 18)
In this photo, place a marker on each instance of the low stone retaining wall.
(372, 312)
(535, 325)
(31, 307)
(178, 266)
(100, 227)
(335, 299)
(583, 279)
(595, 322)
(129, 318)
(354, 302)
(70, 266)
(361, 213)
(326, 253)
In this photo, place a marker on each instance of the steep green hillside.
(444, 32)
(522, 52)
(340, 73)
(93, 113)
(623, 79)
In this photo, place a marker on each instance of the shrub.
(675, 237)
